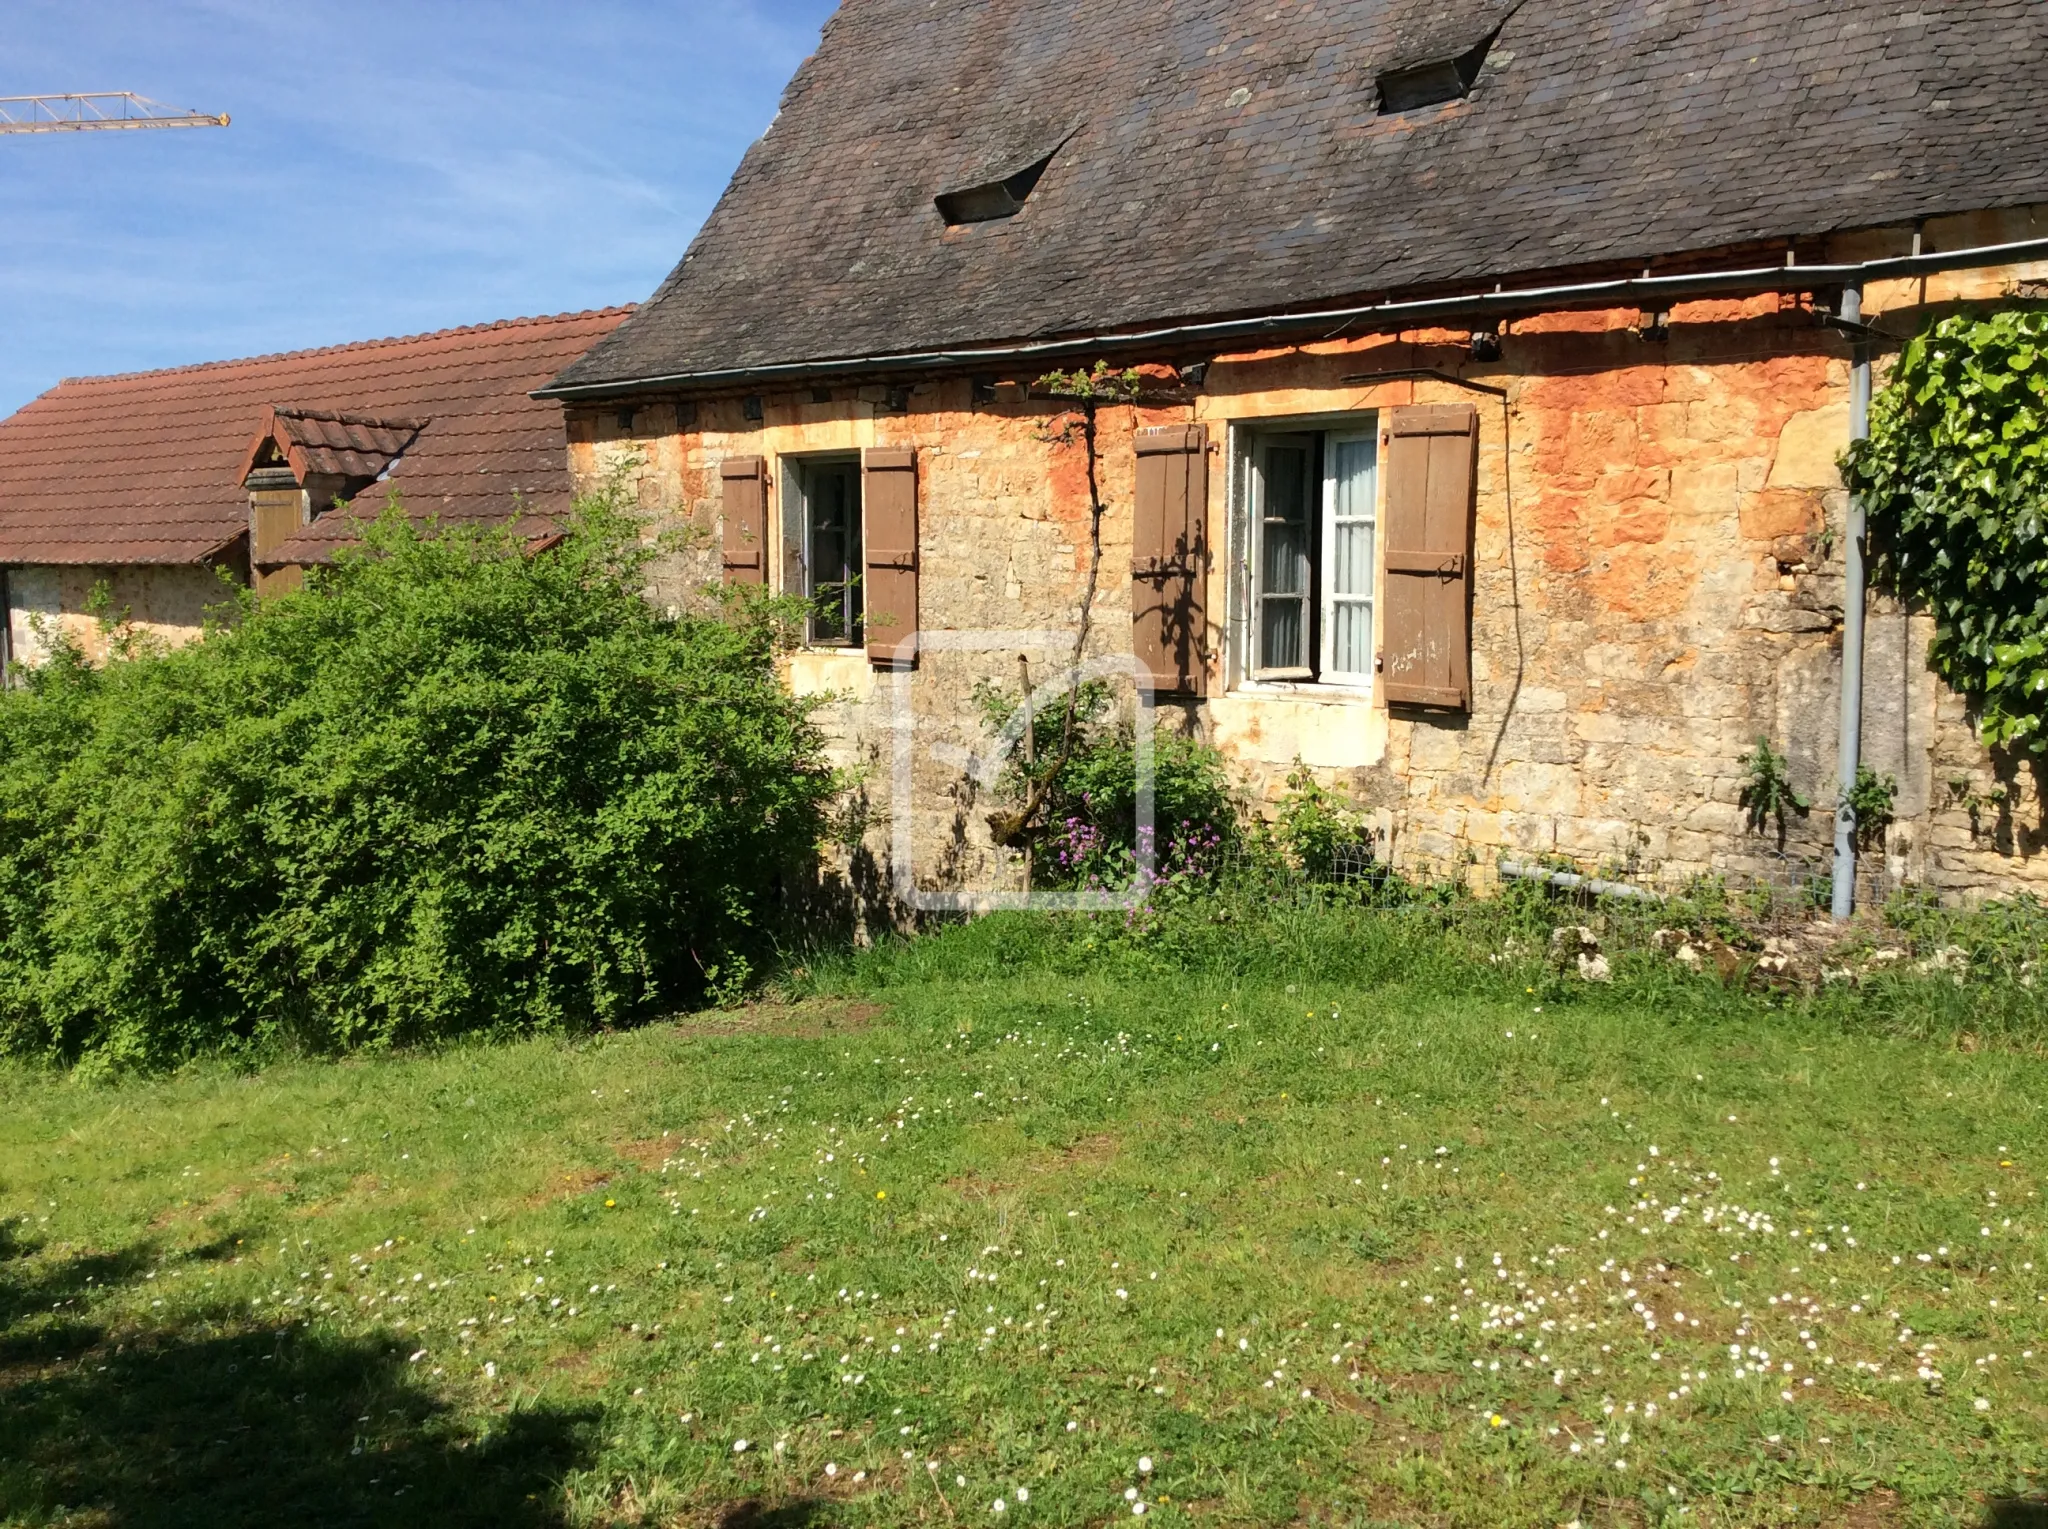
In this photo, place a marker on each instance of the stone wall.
(166, 603)
(1658, 585)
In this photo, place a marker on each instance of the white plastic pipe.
(1572, 881)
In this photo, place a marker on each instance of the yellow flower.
(1496, 1420)
(881, 1194)
(610, 1203)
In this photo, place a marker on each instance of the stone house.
(1498, 360)
(154, 486)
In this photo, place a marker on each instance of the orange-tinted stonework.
(1658, 584)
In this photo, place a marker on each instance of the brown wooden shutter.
(889, 512)
(1426, 651)
(276, 515)
(1170, 555)
(744, 481)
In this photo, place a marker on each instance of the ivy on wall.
(1954, 478)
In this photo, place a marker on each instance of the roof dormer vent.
(1001, 166)
(989, 200)
(1434, 81)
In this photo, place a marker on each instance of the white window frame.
(1327, 598)
(1263, 442)
(796, 533)
(1250, 436)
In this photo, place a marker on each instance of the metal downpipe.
(1849, 747)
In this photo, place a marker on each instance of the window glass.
(1285, 469)
(1352, 462)
(832, 555)
(1312, 560)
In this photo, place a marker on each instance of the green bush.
(1087, 831)
(447, 788)
(1095, 808)
(1955, 477)
(1317, 826)
(1767, 791)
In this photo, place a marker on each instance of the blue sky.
(391, 168)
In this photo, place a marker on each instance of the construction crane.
(92, 110)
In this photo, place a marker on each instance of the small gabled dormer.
(302, 464)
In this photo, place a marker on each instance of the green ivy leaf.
(1954, 477)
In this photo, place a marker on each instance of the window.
(1310, 559)
(827, 536)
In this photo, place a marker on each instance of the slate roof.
(147, 467)
(1230, 160)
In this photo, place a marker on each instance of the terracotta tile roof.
(147, 467)
(1233, 160)
(330, 442)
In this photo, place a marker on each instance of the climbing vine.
(1954, 477)
(1084, 395)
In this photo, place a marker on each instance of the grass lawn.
(975, 1236)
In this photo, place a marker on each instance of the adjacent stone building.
(1498, 358)
(154, 487)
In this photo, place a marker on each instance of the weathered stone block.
(1780, 512)
(1808, 447)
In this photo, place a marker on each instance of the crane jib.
(95, 110)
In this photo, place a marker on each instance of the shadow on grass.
(2018, 1513)
(232, 1420)
(754, 1513)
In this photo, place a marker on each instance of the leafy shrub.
(1873, 800)
(1089, 834)
(1316, 826)
(1095, 830)
(1767, 788)
(1954, 476)
(448, 787)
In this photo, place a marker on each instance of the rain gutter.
(1649, 292)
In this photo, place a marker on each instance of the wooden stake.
(1030, 754)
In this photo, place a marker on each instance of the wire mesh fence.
(1772, 890)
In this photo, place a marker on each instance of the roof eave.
(1489, 305)
(105, 556)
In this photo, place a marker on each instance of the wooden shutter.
(889, 512)
(276, 515)
(1170, 555)
(744, 481)
(1426, 651)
